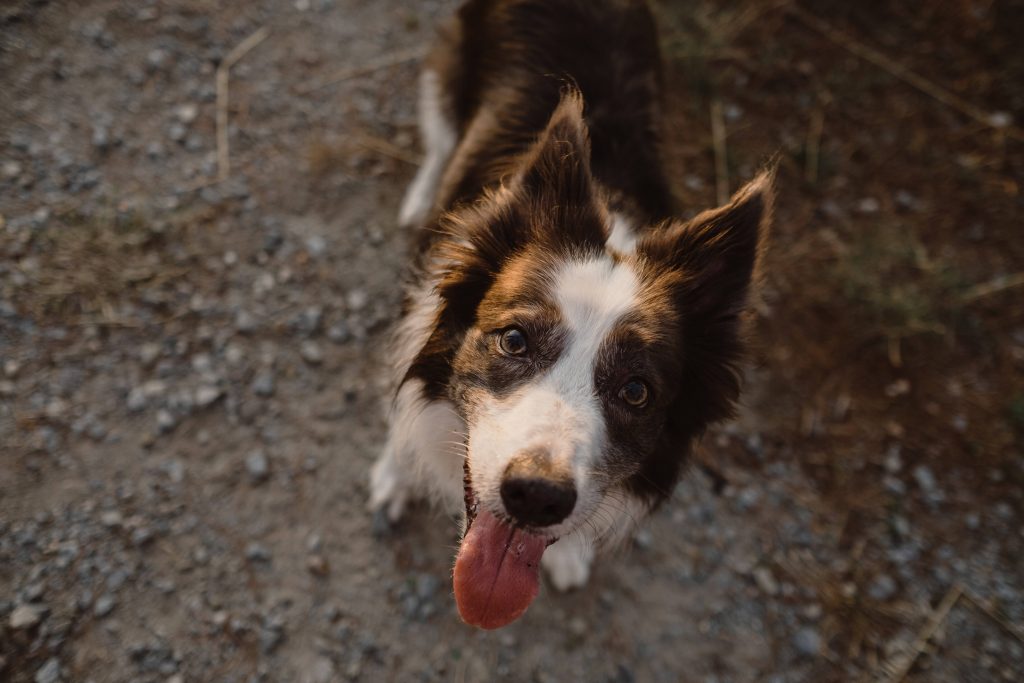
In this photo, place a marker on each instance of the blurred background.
(194, 290)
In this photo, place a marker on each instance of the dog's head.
(583, 373)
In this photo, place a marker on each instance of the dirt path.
(189, 398)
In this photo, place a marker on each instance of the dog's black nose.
(535, 500)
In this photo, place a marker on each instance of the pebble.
(25, 617)
(104, 605)
(807, 642)
(186, 113)
(255, 552)
(311, 352)
(207, 395)
(883, 587)
(245, 322)
(317, 565)
(258, 466)
(925, 479)
(165, 421)
(357, 299)
(263, 384)
(766, 581)
(271, 635)
(339, 333)
(868, 205)
(49, 672)
(316, 246)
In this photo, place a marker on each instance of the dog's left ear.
(715, 254)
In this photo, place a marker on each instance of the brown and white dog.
(565, 338)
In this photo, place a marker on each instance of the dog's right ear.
(554, 185)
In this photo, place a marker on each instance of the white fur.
(567, 562)
(422, 457)
(439, 138)
(622, 237)
(425, 445)
(559, 411)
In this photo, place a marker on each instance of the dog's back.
(501, 67)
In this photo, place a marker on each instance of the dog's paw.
(389, 489)
(567, 564)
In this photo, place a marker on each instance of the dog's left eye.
(512, 342)
(634, 393)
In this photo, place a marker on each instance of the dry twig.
(897, 669)
(904, 74)
(994, 286)
(351, 72)
(223, 72)
(994, 615)
(721, 163)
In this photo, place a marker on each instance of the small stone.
(316, 246)
(254, 552)
(1000, 119)
(882, 588)
(10, 169)
(207, 395)
(357, 299)
(271, 636)
(314, 543)
(165, 421)
(11, 367)
(577, 626)
(766, 581)
(104, 605)
(101, 138)
(898, 388)
(893, 462)
(111, 518)
(141, 536)
(149, 352)
(925, 479)
(807, 642)
(339, 333)
(25, 617)
(245, 322)
(311, 352)
(263, 384)
(258, 466)
(49, 672)
(868, 205)
(186, 113)
(317, 565)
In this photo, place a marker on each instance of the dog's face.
(583, 373)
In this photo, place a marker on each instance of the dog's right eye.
(512, 342)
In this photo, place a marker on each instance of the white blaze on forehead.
(592, 295)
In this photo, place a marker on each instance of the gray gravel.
(188, 428)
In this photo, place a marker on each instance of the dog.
(566, 337)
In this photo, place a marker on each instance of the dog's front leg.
(423, 454)
(567, 562)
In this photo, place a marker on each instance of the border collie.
(565, 337)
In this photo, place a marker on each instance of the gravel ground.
(190, 401)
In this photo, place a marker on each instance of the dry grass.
(85, 269)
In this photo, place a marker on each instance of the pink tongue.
(496, 572)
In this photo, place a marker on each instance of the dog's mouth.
(497, 569)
